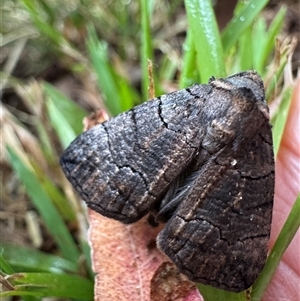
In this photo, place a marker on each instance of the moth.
(199, 160)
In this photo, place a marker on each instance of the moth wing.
(122, 167)
(219, 234)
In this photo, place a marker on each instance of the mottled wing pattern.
(123, 166)
(219, 234)
(203, 158)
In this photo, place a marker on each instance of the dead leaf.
(168, 284)
(94, 118)
(122, 259)
(125, 259)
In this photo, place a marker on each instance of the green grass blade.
(285, 237)
(46, 144)
(44, 205)
(268, 44)
(210, 293)
(271, 89)
(105, 76)
(85, 247)
(64, 131)
(189, 74)
(5, 267)
(45, 28)
(146, 45)
(48, 29)
(259, 33)
(22, 259)
(168, 69)
(240, 22)
(119, 95)
(206, 37)
(281, 118)
(245, 54)
(71, 112)
(61, 111)
(55, 285)
(129, 97)
(63, 206)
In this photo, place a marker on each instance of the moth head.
(248, 99)
(249, 82)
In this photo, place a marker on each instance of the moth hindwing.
(199, 159)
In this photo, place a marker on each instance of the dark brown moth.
(200, 160)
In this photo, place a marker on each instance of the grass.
(80, 38)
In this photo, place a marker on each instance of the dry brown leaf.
(168, 284)
(94, 118)
(125, 259)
